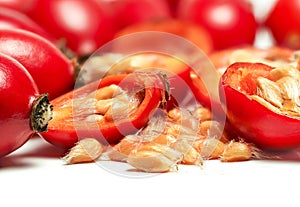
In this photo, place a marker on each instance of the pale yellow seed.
(190, 154)
(210, 148)
(284, 71)
(121, 107)
(170, 153)
(236, 151)
(102, 106)
(203, 114)
(165, 139)
(211, 128)
(269, 91)
(121, 151)
(290, 88)
(94, 118)
(151, 161)
(265, 103)
(108, 92)
(175, 114)
(86, 150)
(291, 108)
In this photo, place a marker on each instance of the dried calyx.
(41, 113)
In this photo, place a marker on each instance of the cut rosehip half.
(274, 56)
(107, 109)
(262, 103)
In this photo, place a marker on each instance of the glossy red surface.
(17, 93)
(229, 22)
(10, 18)
(283, 21)
(49, 67)
(254, 122)
(81, 23)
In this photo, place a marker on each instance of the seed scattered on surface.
(210, 148)
(86, 150)
(151, 161)
(203, 114)
(236, 151)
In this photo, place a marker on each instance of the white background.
(35, 176)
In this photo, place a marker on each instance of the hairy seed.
(170, 153)
(211, 128)
(269, 91)
(284, 71)
(236, 151)
(265, 103)
(291, 108)
(289, 89)
(149, 161)
(190, 154)
(86, 150)
(210, 148)
(203, 114)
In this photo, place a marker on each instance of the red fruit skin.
(49, 67)
(173, 4)
(255, 123)
(20, 5)
(81, 23)
(128, 12)
(283, 21)
(202, 94)
(17, 93)
(229, 22)
(10, 18)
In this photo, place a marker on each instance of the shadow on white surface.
(24, 156)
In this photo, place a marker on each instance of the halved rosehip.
(107, 109)
(273, 56)
(262, 103)
(23, 112)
